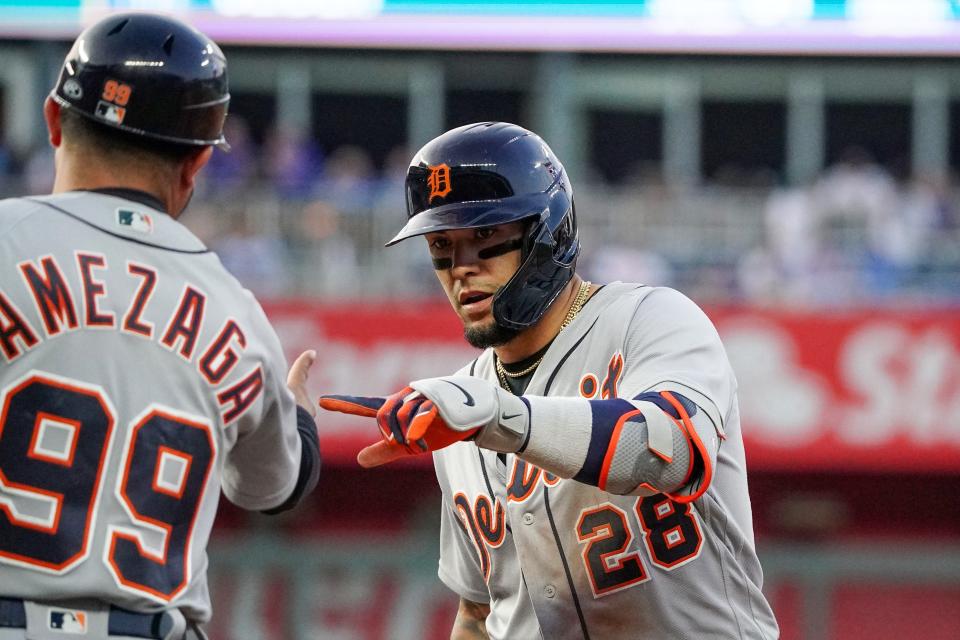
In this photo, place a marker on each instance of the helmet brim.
(220, 142)
(473, 215)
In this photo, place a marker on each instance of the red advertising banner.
(825, 390)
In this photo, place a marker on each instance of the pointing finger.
(355, 405)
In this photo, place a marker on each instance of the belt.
(120, 621)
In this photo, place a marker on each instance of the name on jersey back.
(59, 312)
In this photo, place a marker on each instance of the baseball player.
(590, 459)
(139, 379)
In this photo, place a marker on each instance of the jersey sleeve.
(262, 465)
(672, 345)
(459, 567)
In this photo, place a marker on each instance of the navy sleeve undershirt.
(309, 462)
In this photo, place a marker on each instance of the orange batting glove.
(409, 423)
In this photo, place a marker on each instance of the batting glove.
(434, 413)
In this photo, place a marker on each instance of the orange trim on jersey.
(694, 438)
(619, 556)
(220, 349)
(669, 510)
(122, 490)
(241, 395)
(666, 537)
(67, 461)
(594, 386)
(51, 295)
(464, 510)
(26, 524)
(186, 322)
(526, 483)
(136, 586)
(665, 512)
(132, 321)
(611, 382)
(493, 532)
(166, 527)
(180, 455)
(15, 327)
(93, 289)
(612, 448)
(58, 497)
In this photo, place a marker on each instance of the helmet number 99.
(116, 92)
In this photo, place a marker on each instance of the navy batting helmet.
(148, 75)
(492, 173)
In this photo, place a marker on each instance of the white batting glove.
(465, 403)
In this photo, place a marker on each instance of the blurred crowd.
(290, 217)
(857, 233)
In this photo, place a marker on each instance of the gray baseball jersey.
(138, 380)
(556, 558)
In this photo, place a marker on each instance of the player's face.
(472, 265)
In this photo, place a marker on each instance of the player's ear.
(191, 166)
(51, 113)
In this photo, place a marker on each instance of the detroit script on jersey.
(139, 379)
(561, 559)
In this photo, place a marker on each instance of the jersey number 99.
(56, 441)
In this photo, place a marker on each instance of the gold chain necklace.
(578, 303)
(582, 294)
(501, 370)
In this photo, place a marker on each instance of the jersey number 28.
(670, 530)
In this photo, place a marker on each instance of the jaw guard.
(538, 281)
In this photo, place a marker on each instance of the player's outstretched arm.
(647, 445)
(471, 621)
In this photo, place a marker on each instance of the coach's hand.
(436, 412)
(297, 380)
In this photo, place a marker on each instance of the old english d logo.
(439, 181)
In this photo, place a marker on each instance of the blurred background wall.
(791, 165)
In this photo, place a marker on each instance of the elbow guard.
(642, 447)
(658, 450)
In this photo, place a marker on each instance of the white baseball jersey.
(557, 558)
(138, 380)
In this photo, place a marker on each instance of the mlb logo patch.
(67, 621)
(135, 220)
(110, 112)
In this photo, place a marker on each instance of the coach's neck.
(79, 168)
